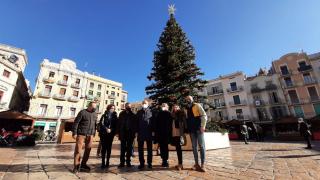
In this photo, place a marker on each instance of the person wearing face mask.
(126, 130)
(145, 131)
(84, 129)
(164, 132)
(196, 122)
(108, 129)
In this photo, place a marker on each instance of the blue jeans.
(197, 138)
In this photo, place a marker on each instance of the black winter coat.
(127, 124)
(164, 126)
(145, 125)
(108, 121)
(85, 123)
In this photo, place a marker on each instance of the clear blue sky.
(117, 37)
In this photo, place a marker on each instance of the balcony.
(235, 89)
(60, 97)
(112, 96)
(73, 99)
(48, 80)
(44, 94)
(305, 68)
(314, 99)
(256, 90)
(63, 83)
(215, 93)
(286, 73)
(75, 85)
(89, 97)
(123, 100)
(220, 105)
(298, 101)
(310, 81)
(271, 87)
(240, 117)
(277, 102)
(289, 84)
(242, 103)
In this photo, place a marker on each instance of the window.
(117, 103)
(99, 87)
(58, 111)
(236, 99)
(111, 101)
(43, 109)
(51, 74)
(62, 91)
(118, 94)
(72, 112)
(77, 81)
(313, 93)
(233, 86)
(47, 89)
(65, 78)
(6, 73)
(307, 78)
(107, 92)
(75, 93)
(99, 94)
(113, 93)
(113, 88)
(106, 101)
(91, 85)
(288, 81)
(284, 70)
(274, 97)
(293, 96)
(90, 92)
(298, 111)
(302, 64)
(239, 113)
(1, 95)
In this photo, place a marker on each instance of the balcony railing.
(314, 99)
(305, 68)
(271, 87)
(73, 99)
(286, 73)
(48, 79)
(273, 102)
(59, 97)
(112, 96)
(289, 84)
(220, 105)
(298, 101)
(63, 83)
(310, 81)
(213, 93)
(235, 89)
(45, 94)
(241, 117)
(256, 90)
(75, 85)
(241, 103)
(89, 97)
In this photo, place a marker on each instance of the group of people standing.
(149, 125)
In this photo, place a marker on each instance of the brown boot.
(196, 167)
(202, 168)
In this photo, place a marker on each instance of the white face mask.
(164, 109)
(145, 106)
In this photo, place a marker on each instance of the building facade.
(265, 97)
(299, 81)
(14, 88)
(62, 90)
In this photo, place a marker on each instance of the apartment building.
(14, 88)
(62, 90)
(265, 97)
(299, 81)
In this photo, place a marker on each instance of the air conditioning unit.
(258, 103)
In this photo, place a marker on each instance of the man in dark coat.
(145, 132)
(304, 129)
(84, 129)
(164, 132)
(126, 129)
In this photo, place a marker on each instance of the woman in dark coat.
(163, 132)
(108, 128)
(178, 138)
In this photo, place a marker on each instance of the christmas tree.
(174, 74)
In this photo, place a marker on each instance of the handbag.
(183, 140)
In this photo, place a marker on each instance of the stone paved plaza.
(270, 160)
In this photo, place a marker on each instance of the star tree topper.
(171, 9)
